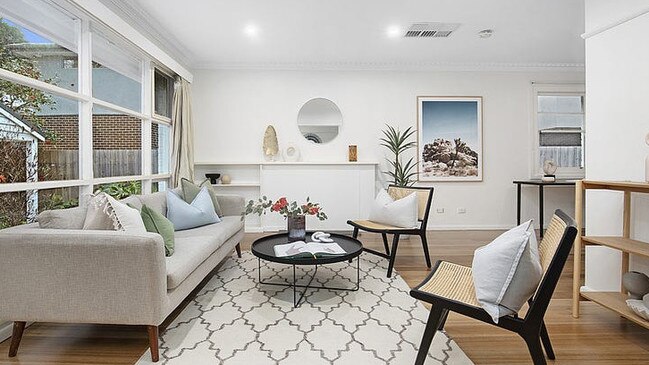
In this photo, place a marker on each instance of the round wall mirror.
(319, 120)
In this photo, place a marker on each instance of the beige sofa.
(108, 277)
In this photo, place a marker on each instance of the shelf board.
(632, 186)
(619, 243)
(238, 185)
(279, 163)
(616, 302)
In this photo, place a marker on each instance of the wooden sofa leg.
(16, 336)
(153, 342)
(238, 248)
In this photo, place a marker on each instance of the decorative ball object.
(291, 153)
(214, 178)
(636, 283)
(638, 307)
(226, 179)
(549, 167)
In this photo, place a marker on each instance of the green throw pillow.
(190, 190)
(157, 223)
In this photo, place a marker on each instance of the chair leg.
(442, 321)
(355, 233)
(424, 242)
(385, 243)
(393, 256)
(536, 352)
(153, 342)
(547, 345)
(434, 318)
(16, 336)
(238, 248)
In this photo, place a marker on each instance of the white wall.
(233, 107)
(617, 93)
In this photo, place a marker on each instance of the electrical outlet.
(440, 210)
(461, 210)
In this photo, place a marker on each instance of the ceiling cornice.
(141, 20)
(392, 66)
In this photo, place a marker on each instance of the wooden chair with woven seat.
(450, 288)
(424, 202)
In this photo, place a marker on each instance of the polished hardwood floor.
(598, 337)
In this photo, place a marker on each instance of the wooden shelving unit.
(615, 301)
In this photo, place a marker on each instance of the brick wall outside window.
(109, 132)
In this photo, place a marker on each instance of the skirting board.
(433, 228)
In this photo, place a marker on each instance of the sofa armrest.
(231, 204)
(77, 276)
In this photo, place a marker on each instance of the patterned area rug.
(233, 320)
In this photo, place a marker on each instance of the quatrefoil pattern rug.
(235, 320)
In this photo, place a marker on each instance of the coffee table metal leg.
(297, 301)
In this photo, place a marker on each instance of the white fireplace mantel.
(344, 189)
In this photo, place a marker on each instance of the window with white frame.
(78, 112)
(559, 133)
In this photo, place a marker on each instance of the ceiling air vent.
(431, 30)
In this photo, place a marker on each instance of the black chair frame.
(531, 327)
(391, 253)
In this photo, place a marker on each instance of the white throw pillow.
(401, 213)
(507, 271)
(106, 213)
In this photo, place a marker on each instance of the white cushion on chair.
(507, 271)
(399, 213)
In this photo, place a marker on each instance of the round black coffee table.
(263, 248)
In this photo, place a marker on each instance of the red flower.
(283, 202)
(314, 210)
(3, 179)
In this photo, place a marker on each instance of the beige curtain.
(182, 150)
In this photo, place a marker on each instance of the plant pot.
(296, 228)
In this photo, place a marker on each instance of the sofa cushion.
(185, 215)
(132, 201)
(157, 223)
(193, 246)
(191, 189)
(71, 218)
(106, 213)
(156, 201)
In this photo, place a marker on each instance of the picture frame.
(449, 138)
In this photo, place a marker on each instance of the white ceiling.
(353, 33)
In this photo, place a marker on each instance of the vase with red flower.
(294, 213)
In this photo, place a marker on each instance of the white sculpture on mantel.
(270, 147)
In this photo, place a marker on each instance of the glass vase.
(296, 228)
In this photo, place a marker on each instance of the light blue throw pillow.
(185, 216)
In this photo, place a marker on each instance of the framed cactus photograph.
(449, 138)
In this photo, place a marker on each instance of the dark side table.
(541, 184)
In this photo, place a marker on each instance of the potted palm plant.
(398, 142)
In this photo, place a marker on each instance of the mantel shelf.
(237, 185)
(280, 163)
